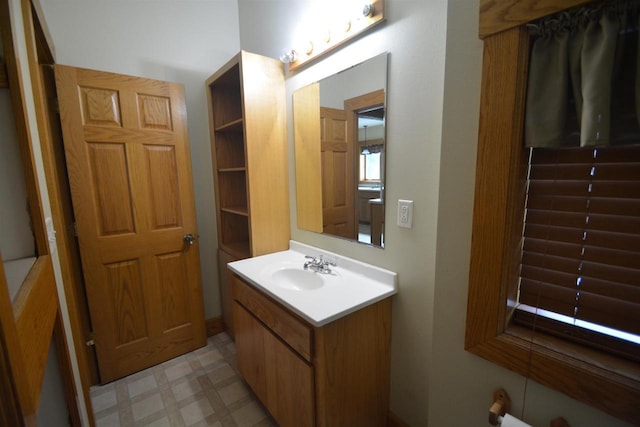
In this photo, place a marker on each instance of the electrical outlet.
(405, 213)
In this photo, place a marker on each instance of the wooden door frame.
(41, 58)
(352, 107)
(25, 403)
(15, 386)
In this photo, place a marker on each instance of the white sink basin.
(297, 279)
(318, 298)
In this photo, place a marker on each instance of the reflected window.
(371, 142)
(369, 167)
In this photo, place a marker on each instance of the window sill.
(599, 380)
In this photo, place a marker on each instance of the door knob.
(189, 239)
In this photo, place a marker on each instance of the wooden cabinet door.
(289, 385)
(129, 168)
(281, 379)
(250, 357)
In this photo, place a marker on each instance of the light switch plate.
(405, 213)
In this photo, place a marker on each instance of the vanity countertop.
(350, 286)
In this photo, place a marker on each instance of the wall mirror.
(340, 146)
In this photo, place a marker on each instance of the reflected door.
(338, 214)
(129, 170)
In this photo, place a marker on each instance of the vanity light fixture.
(339, 32)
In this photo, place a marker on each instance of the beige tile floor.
(201, 388)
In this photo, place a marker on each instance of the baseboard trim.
(394, 421)
(214, 326)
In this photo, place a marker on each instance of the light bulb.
(309, 48)
(327, 36)
(288, 56)
(367, 10)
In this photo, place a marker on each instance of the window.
(370, 167)
(580, 274)
(371, 144)
(596, 378)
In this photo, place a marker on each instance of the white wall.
(52, 410)
(16, 237)
(432, 125)
(363, 78)
(180, 41)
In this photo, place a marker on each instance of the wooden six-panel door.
(127, 154)
(338, 214)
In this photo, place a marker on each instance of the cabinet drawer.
(290, 329)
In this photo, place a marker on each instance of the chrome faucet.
(319, 264)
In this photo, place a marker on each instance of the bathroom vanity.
(314, 347)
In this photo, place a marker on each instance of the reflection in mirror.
(339, 126)
(371, 159)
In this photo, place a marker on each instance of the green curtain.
(576, 62)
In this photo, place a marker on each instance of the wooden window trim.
(597, 379)
(501, 15)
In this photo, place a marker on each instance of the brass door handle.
(189, 239)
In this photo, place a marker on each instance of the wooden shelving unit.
(246, 100)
